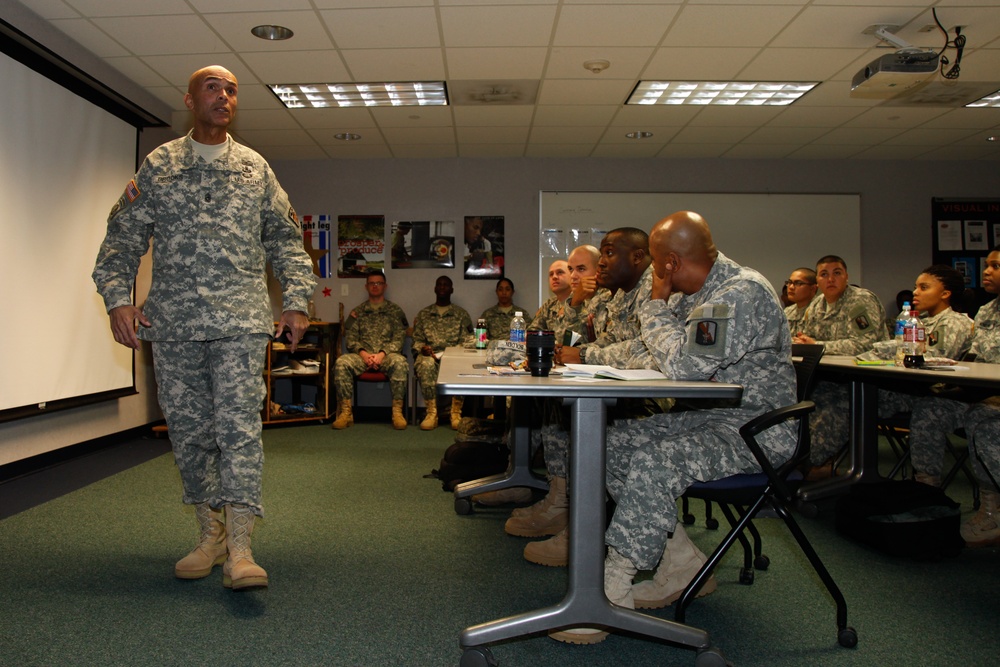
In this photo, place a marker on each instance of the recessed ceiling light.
(719, 93)
(272, 32)
(991, 100)
(347, 136)
(318, 95)
(639, 134)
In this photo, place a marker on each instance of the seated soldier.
(438, 326)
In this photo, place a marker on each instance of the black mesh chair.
(742, 496)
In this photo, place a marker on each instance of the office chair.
(774, 487)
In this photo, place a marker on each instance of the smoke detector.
(596, 66)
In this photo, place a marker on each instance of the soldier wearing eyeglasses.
(801, 289)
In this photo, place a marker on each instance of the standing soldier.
(373, 334)
(439, 325)
(216, 215)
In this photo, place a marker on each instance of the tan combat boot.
(928, 479)
(345, 416)
(456, 411)
(398, 420)
(430, 421)
(553, 552)
(240, 572)
(618, 574)
(681, 561)
(546, 517)
(983, 529)
(211, 548)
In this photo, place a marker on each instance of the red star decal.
(327, 291)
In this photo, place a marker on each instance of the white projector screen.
(63, 164)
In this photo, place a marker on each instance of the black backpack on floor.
(479, 451)
(901, 518)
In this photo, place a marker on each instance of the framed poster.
(423, 244)
(484, 247)
(360, 245)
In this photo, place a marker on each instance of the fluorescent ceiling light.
(319, 95)
(992, 100)
(719, 93)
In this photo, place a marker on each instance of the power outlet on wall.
(343, 289)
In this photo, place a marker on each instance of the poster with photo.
(483, 256)
(423, 244)
(968, 267)
(316, 237)
(360, 245)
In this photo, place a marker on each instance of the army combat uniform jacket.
(852, 325)
(214, 227)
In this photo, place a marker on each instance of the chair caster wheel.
(847, 637)
(711, 657)
(463, 506)
(688, 519)
(746, 576)
(761, 562)
(478, 657)
(712, 524)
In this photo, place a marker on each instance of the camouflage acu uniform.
(498, 321)
(373, 328)
(796, 318)
(619, 322)
(438, 330)
(589, 317)
(949, 335)
(731, 330)
(935, 417)
(551, 316)
(214, 226)
(852, 325)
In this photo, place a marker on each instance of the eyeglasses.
(377, 284)
(796, 283)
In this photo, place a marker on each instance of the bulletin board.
(964, 231)
(772, 233)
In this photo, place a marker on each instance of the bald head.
(682, 246)
(212, 71)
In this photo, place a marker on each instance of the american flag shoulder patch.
(132, 191)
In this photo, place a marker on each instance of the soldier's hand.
(296, 322)
(570, 355)
(123, 319)
(802, 339)
(662, 287)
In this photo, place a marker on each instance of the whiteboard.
(772, 233)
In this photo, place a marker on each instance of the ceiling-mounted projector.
(893, 73)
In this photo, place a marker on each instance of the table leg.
(863, 465)
(585, 604)
(519, 472)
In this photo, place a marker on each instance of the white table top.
(459, 375)
(965, 373)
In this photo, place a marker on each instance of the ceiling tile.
(419, 135)
(398, 27)
(304, 66)
(235, 29)
(337, 120)
(491, 150)
(253, 119)
(91, 37)
(611, 25)
(698, 64)
(573, 91)
(746, 25)
(492, 135)
(157, 35)
(566, 62)
(515, 115)
(566, 135)
(495, 63)
(518, 25)
(395, 64)
(570, 115)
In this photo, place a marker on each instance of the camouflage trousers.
(830, 422)
(652, 461)
(934, 418)
(350, 366)
(211, 393)
(425, 368)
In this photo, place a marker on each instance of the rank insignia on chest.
(706, 333)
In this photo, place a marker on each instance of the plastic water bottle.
(914, 337)
(904, 315)
(518, 327)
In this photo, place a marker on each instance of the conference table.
(463, 373)
(864, 382)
